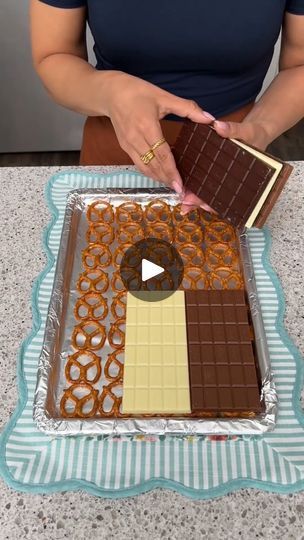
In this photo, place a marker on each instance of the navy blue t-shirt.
(216, 52)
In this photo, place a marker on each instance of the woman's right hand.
(135, 108)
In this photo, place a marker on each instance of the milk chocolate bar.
(222, 368)
(238, 181)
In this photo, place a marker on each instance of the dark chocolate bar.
(226, 176)
(222, 367)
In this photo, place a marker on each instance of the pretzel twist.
(162, 254)
(91, 306)
(99, 233)
(191, 255)
(117, 285)
(161, 231)
(89, 334)
(129, 212)
(225, 278)
(132, 280)
(163, 282)
(189, 232)
(195, 278)
(96, 256)
(178, 218)
(119, 305)
(101, 211)
(156, 211)
(114, 360)
(119, 253)
(205, 217)
(116, 335)
(130, 232)
(74, 361)
(219, 231)
(107, 392)
(93, 281)
(80, 402)
(221, 254)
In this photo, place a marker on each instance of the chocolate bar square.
(228, 177)
(222, 368)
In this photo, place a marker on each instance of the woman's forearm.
(281, 106)
(74, 83)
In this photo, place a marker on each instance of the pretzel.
(93, 281)
(158, 211)
(130, 232)
(162, 254)
(225, 278)
(119, 305)
(160, 230)
(119, 253)
(163, 282)
(133, 258)
(117, 285)
(107, 393)
(89, 335)
(191, 255)
(79, 402)
(221, 254)
(206, 217)
(178, 218)
(219, 231)
(132, 280)
(91, 306)
(99, 233)
(100, 211)
(96, 256)
(129, 212)
(74, 361)
(113, 360)
(116, 335)
(189, 232)
(194, 279)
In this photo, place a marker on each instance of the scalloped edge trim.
(75, 485)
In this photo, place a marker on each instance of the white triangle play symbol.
(150, 270)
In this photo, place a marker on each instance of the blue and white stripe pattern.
(198, 467)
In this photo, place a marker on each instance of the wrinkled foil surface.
(60, 323)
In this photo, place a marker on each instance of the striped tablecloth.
(199, 467)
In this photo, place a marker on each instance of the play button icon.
(151, 265)
(150, 270)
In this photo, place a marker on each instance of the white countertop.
(247, 514)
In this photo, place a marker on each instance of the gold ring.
(147, 157)
(157, 144)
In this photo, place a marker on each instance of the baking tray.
(60, 323)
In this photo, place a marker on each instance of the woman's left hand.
(251, 132)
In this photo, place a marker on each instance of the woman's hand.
(135, 108)
(250, 132)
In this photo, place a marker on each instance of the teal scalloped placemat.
(197, 467)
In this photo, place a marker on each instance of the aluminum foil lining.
(60, 323)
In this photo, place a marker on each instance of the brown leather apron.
(100, 145)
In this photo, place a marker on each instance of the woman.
(161, 61)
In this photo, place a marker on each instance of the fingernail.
(204, 207)
(177, 187)
(208, 115)
(221, 125)
(209, 210)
